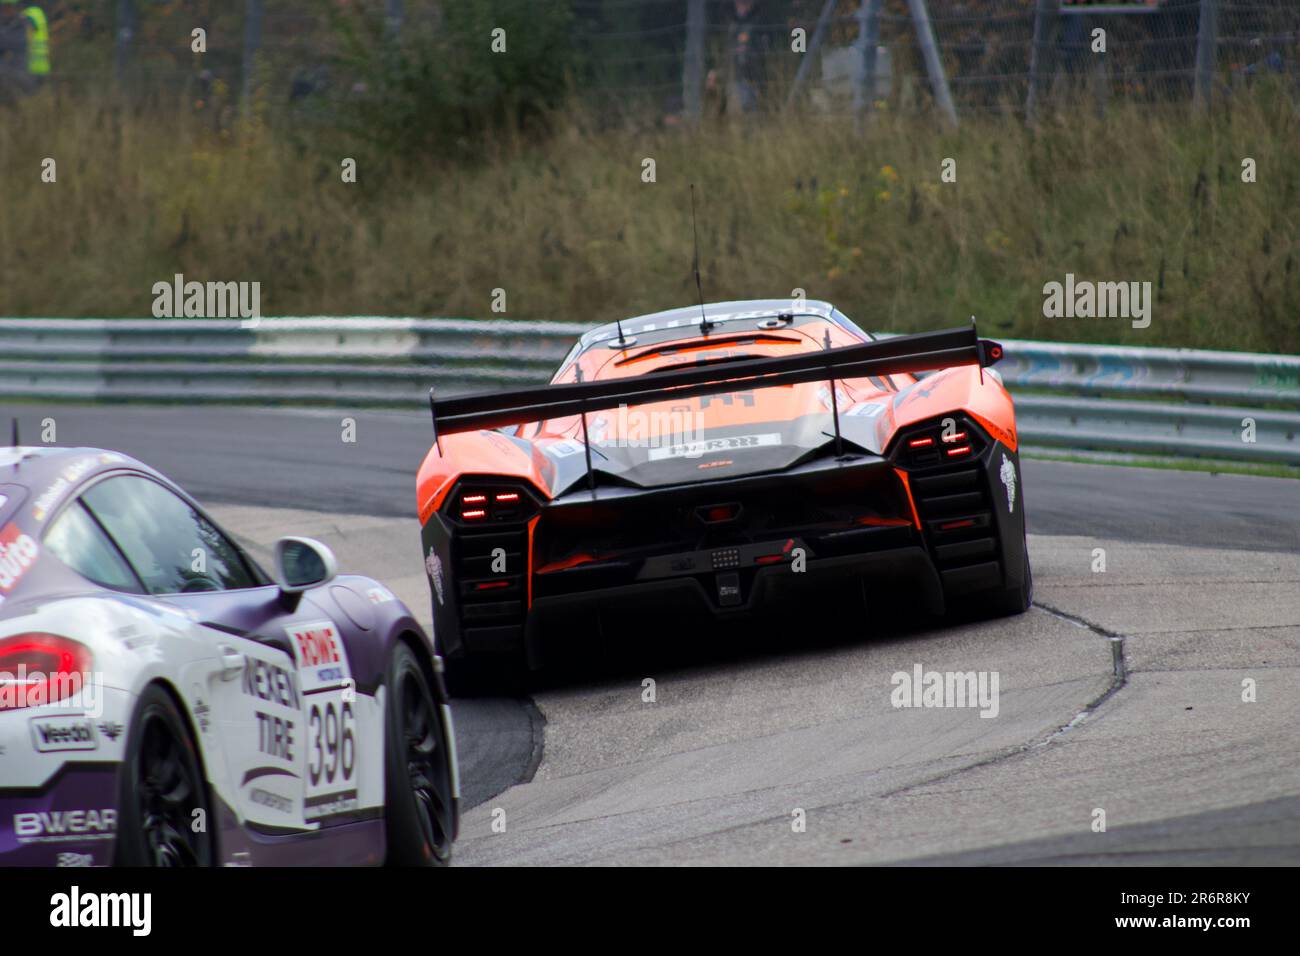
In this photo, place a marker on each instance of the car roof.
(46, 475)
(30, 464)
(684, 322)
(687, 317)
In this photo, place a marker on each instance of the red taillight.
(491, 504)
(963, 450)
(956, 436)
(38, 669)
(491, 585)
(954, 525)
(921, 442)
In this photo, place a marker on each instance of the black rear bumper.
(660, 569)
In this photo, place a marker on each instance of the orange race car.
(716, 460)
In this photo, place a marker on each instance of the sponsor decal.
(563, 448)
(433, 565)
(380, 595)
(272, 800)
(866, 409)
(267, 681)
(111, 730)
(331, 739)
(842, 397)
(47, 500)
(1007, 472)
(18, 552)
(122, 910)
(694, 449)
(65, 826)
(331, 804)
(319, 652)
(331, 758)
(202, 712)
(59, 734)
(75, 859)
(919, 390)
(270, 682)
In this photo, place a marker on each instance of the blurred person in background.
(745, 55)
(24, 47)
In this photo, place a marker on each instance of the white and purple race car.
(164, 701)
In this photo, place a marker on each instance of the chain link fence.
(682, 59)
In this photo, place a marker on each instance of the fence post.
(252, 43)
(864, 86)
(123, 38)
(1045, 14)
(693, 65)
(814, 46)
(933, 65)
(1207, 31)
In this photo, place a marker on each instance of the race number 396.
(333, 743)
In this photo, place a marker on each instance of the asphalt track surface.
(1120, 691)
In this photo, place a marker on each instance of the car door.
(254, 696)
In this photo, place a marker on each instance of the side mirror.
(301, 563)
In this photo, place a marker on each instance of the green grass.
(565, 225)
(1214, 467)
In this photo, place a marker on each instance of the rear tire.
(161, 790)
(419, 805)
(472, 675)
(1018, 599)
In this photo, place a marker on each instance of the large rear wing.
(903, 353)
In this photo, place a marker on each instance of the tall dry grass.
(566, 226)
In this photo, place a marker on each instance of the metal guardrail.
(1108, 398)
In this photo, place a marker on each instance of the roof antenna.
(15, 438)
(705, 324)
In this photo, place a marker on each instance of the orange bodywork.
(956, 389)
